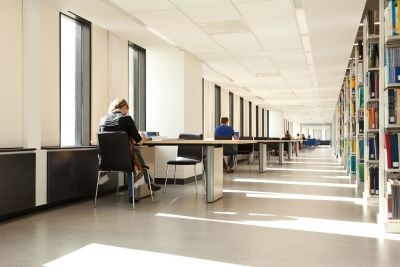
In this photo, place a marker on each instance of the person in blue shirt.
(227, 131)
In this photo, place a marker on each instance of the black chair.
(115, 156)
(228, 150)
(187, 155)
(272, 148)
(245, 149)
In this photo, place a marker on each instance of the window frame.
(217, 104)
(86, 24)
(139, 86)
(250, 118)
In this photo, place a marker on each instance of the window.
(137, 85)
(262, 123)
(217, 104)
(74, 81)
(250, 119)
(241, 117)
(231, 109)
(257, 121)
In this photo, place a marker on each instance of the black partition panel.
(72, 174)
(17, 182)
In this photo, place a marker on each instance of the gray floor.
(303, 213)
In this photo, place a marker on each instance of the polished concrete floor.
(303, 213)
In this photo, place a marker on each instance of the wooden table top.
(210, 142)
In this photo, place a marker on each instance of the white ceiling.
(258, 48)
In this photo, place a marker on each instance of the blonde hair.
(117, 104)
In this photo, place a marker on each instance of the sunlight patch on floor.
(105, 256)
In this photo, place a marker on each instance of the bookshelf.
(372, 103)
(359, 104)
(389, 200)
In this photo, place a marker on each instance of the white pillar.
(31, 96)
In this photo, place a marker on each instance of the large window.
(250, 119)
(217, 105)
(257, 121)
(241, 117)
(267, 123)
(137, 85)
(231, 109)
(75, 81)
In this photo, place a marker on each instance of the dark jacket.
(117, 121)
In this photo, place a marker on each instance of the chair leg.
(166, 178)
(97, 188)
(204, 177)
(195, 177)
(149, 180)
(175, 177)
(133, 191)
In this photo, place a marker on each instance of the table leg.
(297, 148)
(280, 153)
(290, 150)
(262, 157)
(214, 169)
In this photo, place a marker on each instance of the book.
(388, 146)
(395, 150)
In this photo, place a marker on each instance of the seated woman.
(118, 119)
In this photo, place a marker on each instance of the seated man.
(118, 120)
(226, 131)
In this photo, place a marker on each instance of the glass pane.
(131, 78)
(69, 49)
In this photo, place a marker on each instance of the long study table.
(214, 168)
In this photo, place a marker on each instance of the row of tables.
(214, 153)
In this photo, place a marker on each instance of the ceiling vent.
(224, 27)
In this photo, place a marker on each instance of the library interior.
(200, 132)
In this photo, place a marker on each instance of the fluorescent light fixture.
(160, 35)
(376, 23)
(306, 43)
(361, 24)
(301, 20)
(309, 59)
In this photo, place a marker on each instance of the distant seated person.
(224, 130)
(118, 119)
(287, 136)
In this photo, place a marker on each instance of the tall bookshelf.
(352, 120)
(359, 98)
(389, 201)
(371, 109)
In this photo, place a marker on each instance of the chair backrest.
(188, 151)
(272, 146)
(228, 149)
(245, 148)
(114, 152)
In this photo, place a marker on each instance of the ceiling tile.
(198, 3)
(258, 65)
(212, 13)
(238, 42)
(273, 23)
(148, 5)
(186, 34)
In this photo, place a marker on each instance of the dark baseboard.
(58, 204)
(179, 181)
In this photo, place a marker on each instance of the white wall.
(276, 124)
(167, 74)
(296, 128)
(224, 103)
(209, 109)
(11, 73)
(50, 75)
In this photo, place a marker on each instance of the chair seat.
(183, 161)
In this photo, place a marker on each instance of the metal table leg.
(262, 157)
(290, 150)
(281, 153)
(214, 173)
